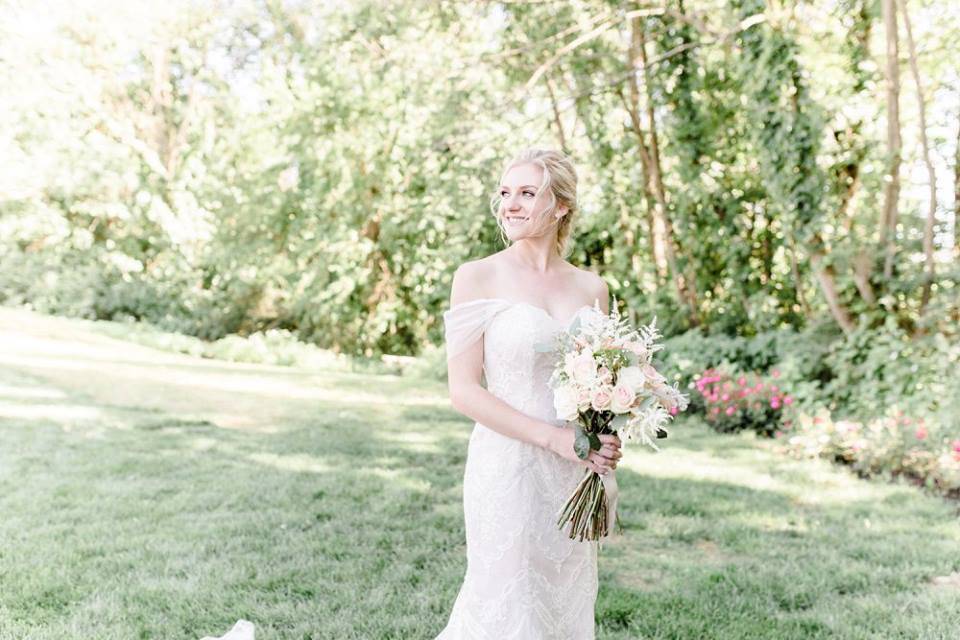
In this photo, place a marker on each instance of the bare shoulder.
(468, 280)
(594, 286)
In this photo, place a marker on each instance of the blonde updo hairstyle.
(559, 181)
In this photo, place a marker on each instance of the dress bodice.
(514, 370)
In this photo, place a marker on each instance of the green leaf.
(594, 441)
(581, 443)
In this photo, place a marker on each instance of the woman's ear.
(561, 211)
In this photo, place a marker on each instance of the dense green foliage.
(321, 170)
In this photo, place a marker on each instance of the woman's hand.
(601, 461)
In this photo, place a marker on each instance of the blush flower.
(601, 398)
(623, 397)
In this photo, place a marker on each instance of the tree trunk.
(827, 278)
(929, 265)
(891, 187)
(556, 116)
(686, 286)
(956, 198)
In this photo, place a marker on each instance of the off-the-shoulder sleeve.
(464, 323)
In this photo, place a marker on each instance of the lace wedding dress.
(525, 579)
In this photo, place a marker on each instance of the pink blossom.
(775, 403)
(920, 433)
(730, 411)
(601, 398)
(956, 446)
(774, 388)
(775, 373)
(741, 381)
(725, 397)
(674, 411)
(788, 400)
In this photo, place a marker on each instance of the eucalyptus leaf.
(544, 347)
(594, 441)
(581, 443)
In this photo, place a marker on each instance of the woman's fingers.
(610, 453)
(610, 440)
(602, 463)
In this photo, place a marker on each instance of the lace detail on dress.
(525, 579)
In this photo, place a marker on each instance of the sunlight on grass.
(37, 392)
(298, 462)
(682, 463)
(55, 412)
(421, 442)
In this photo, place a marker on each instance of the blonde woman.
(525, 579)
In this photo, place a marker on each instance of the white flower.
(565, 402)
(633, 377)
(584, 369)
(288, 178)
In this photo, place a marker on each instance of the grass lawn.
(147, 494)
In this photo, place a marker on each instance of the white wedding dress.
(525, 579)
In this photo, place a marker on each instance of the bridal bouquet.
(604, 382)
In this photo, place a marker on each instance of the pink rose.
(623, 397)
(601, 398)
(604, 374)
(650, 372)
(730, 411)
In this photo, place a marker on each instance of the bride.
(525, 579)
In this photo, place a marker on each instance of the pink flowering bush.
(737, 401)
(893, 445)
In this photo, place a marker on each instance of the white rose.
(565, 402)
(632, 377)
(584, 369)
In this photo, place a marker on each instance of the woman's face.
(522, 205)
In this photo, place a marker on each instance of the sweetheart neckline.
(523, 302)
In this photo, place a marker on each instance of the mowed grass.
(144, 495)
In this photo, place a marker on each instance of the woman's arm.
(470, 398)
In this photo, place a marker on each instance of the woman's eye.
(528, 193)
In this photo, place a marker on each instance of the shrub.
(734, 402)
(892, 445)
